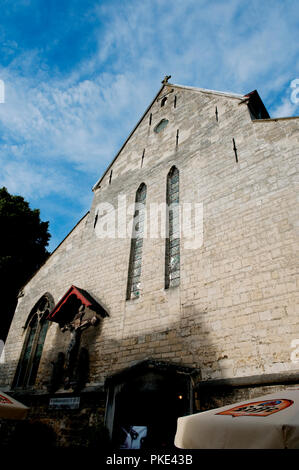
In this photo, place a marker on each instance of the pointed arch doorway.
(144, 403)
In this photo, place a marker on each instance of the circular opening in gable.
(162, 124)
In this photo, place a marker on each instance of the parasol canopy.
(268, 422)
(11, 408)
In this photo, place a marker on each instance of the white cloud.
(34, 181)
(285, 109)
(79, 121)
(78, 124)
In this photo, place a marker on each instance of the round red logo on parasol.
(5, 401)
(259, 408)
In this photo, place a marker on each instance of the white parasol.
(11, 408)
(268, 422)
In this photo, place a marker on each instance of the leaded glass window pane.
(172, 251)
(38, 351)
(162, 124)
(134, 274)
(28, 349)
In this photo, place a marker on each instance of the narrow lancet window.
(235, 150)
(142, 158)
(134, 274)
(95, 220)
(172, 249)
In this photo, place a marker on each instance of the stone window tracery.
(37, 327)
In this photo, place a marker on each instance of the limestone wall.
(234, 313)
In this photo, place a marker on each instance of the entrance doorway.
(145, 408)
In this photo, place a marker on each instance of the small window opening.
(95, 220)
(142, 158)
(162, 124)
(163, 101)
(235, 150)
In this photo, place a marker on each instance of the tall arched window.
(133, 287)
(172, 249)
(36, 326)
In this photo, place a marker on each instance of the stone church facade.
(123, 326)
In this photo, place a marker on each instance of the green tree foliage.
(23, 241)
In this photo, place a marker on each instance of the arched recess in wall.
(172, 246)
(36, 327)
(135, 261)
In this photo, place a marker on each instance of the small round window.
(162, 124)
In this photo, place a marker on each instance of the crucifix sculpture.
(76, 311)
(76, 327)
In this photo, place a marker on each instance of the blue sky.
(79, 74)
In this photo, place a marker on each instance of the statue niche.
(75, 312)
(80, 323)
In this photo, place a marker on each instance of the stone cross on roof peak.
(165, 79)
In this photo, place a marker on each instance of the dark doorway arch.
(148, 396)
